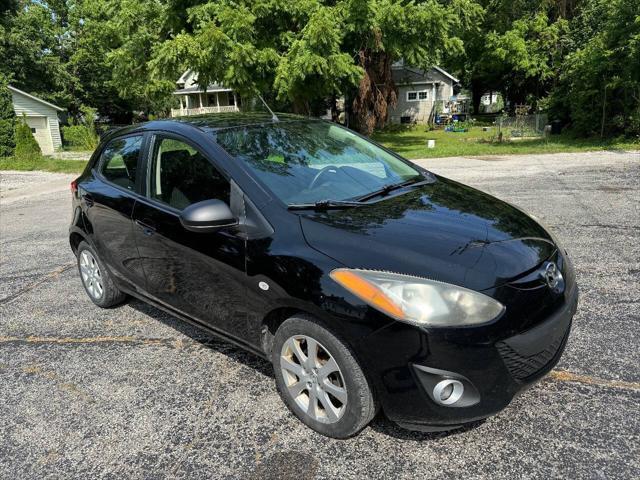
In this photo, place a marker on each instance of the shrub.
(7, 120)
(82, 133)
(26, 145)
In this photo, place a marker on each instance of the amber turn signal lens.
(367, 292)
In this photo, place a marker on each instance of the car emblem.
(552, 276)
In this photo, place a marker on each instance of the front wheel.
(320, 380)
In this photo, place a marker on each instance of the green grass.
(75, 148)
(43, 164)
(412, 143)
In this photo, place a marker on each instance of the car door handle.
(88, 199)
(147, 229)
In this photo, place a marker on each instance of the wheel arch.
(272, 321)
(75, 237)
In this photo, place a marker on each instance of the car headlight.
(418, 300)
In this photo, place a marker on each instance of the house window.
(417, 95)
(33, 130)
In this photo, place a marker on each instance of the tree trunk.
(477, 90)
(376, 92)
(333, 105)
(300, 106)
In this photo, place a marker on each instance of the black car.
(368, 282)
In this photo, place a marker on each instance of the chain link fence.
(522, 126)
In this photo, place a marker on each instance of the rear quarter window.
(119, 161)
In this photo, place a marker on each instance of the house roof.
(403, 74)
(16, 90)
(183, 77)
(194, 88)
(214, 87)
(446, 74)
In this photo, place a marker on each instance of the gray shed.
(41, 116)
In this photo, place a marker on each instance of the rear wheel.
(96, 279)
(320, 380)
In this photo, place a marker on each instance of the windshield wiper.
(385, 190)
(326, 204)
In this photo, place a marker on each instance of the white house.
(422, 94)
(41, 116)
(196, 100)
(491, 102)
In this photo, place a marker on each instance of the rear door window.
(119, 161)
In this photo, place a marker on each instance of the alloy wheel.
(313, 379)
(90, 273)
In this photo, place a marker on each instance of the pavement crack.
(40, 281)
(565, 376)
(178, 343)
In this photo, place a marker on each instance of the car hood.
(443, 230)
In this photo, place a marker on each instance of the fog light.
(448, 392)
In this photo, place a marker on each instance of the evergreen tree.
(7, 119)
(26, 145)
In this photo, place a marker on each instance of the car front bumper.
(406, 362)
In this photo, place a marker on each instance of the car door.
(198, 273)
(107, 199)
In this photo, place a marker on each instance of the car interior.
(121, 161)
(181, 176)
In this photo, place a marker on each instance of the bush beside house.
(26, 145)
(7, 120)
(81, 134)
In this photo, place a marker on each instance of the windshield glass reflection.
(311, 161)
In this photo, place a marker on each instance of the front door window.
(181, 176)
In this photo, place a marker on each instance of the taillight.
(74, 187)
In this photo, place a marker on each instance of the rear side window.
(180, 176)
(119, 161)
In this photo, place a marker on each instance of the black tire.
(360, 407)
(111, 296)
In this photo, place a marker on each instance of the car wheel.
(320, 380)
(96, 279)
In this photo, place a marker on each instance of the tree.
(34, 49)
(312, 49)
(516, 49)
(7, 119)
(384, 31)
(525, 59)
(598, 90)
(27, 147)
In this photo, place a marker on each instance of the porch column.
(218, 101)
(200, 97)
(235, 101)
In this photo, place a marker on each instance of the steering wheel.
(326, 170)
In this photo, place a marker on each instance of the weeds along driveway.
(132, 392)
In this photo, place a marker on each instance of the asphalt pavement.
(131, 392)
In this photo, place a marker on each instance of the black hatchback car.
(368, 282)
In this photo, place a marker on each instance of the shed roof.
(16, 90)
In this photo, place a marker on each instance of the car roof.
(218, 121)
(208, 123)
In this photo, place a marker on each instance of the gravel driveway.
(133, 393)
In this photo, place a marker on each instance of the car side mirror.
(207, 216)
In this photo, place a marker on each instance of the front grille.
(522, 367)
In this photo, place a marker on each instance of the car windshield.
(306, 162)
